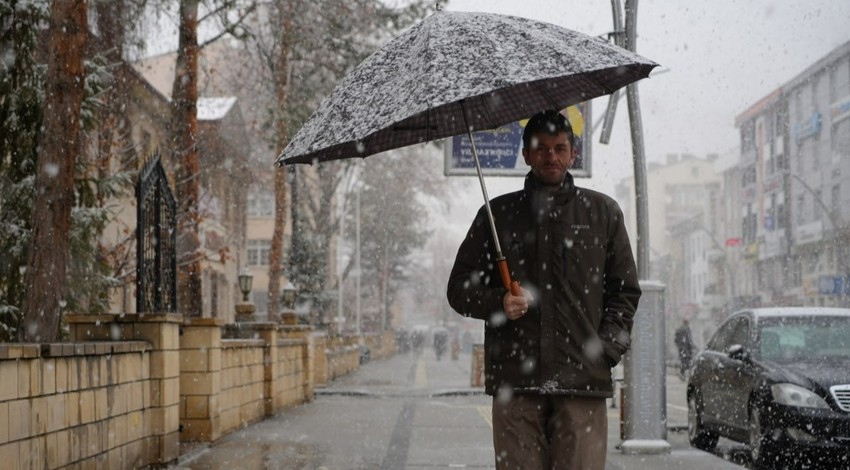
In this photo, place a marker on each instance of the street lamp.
(287, 296)
(245, 309)
(287, 300)
(246, 279)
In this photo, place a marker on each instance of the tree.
(281, 80)
(89, 270)
(22, 92)
(395, 192)
(44, 279)
(332, 38)
(184, 138)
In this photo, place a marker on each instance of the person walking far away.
(549, 352)
(685, 345)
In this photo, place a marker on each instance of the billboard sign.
(500, 150)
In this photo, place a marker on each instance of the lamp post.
(245, 309)
(287, 300)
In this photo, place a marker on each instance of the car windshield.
(812, 337)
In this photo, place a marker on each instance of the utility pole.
(638, 155)
(357, 259)
(643, 424)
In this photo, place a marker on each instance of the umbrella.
(455, 73)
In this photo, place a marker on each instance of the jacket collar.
(563, 194)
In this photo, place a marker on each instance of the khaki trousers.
(549, 432)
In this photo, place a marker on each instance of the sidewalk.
(412, 412)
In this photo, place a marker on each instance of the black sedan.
(777, 379)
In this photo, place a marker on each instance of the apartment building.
(795, 187)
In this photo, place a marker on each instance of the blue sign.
(808, 128)
(500, 150)
(829, 285)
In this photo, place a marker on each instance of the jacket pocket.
(584, 257)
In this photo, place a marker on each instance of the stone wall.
(92, 403)
(129, 388)
(242, 387)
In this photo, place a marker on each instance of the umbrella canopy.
(494, 68)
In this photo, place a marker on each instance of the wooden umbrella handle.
(509, 284)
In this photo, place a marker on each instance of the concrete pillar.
(271, 386)
(309, 353)
(200, 379)
(162, 332)
(645, 384)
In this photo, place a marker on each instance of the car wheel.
(700, 437)
(761, 445)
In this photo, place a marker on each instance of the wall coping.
(241, 343)
(203, 321)
(296, 328)
(87, 348)
(291, 342)
(125, 318)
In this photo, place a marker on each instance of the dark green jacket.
(571, 250)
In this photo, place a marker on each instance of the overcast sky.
(718, 58)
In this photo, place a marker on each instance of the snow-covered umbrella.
(455, 73)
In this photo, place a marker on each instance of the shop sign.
(808, 127)
(840, 109)
(831, 285)
(808, 233)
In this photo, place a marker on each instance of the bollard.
(644, 408)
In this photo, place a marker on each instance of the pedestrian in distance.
(685, 345)
(549, 351)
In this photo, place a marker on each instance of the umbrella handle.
(509, 284)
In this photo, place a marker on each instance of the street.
(413, 412)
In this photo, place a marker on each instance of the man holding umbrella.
(550, 345)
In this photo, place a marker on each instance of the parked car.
(777, 379)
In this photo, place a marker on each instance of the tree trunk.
(184, 125)
(45, 278)
(280, 183)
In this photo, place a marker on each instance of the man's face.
(549, 156)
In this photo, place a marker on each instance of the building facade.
(795, 188)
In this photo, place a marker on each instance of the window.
(749, 228)
(801, 205)
(781, 215)
(770, 216)
(258, 252)
(748, 136)
(214, 280)
(260, 204)
(735, 331)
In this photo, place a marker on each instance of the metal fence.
(156, 241)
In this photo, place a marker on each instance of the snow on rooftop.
(213, 109)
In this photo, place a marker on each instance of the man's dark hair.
(551, 122)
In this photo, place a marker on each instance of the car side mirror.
(738, 352)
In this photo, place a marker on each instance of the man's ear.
(525, 156)
(574, 154)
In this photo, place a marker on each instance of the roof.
(214, 109)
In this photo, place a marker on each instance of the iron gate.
(156, 241)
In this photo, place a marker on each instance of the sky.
(717, 58)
